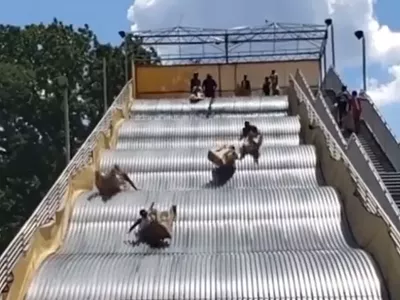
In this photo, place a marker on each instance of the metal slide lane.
(382, 164)
(271, 233)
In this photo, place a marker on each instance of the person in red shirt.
(355, 109)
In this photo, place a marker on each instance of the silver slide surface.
(272, 232)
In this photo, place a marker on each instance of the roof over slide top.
(269, 42)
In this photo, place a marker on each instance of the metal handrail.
(47, 208)
(319, 100)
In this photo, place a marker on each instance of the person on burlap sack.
(224, 159)
(111, 183)
(154, 227)
(252, 140)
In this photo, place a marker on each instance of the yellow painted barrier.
(173, 81)
(49, 238)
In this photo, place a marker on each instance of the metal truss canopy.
(272, 41)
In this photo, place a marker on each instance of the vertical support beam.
(219, 80)
(364, 62)
(325, 64)
(105, 90)
(134, 81)
(67, 127)
(333, 47)
(226, 48)
(126, 48)
(321, 78)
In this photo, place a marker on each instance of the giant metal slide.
(274, 231)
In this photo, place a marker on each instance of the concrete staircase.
(387, 172)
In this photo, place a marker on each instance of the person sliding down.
(224, 158)
(252, 141)
(153, 230)
(196, 95)
(142, 222)
(112, 183)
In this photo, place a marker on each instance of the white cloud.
(386, 93)
(383, 45)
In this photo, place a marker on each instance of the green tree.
(31, 115)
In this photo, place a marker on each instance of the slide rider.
(225, 160)
(151, 229)
(252, 140)
(110, 184)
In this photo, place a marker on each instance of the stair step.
(390, 177)
(394, 188)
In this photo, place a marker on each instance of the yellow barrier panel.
(49, 238)
(256, 72)
(173, 81)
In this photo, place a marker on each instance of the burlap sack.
(154, 233)
(160, 227)
(217, 157)
(108, 186)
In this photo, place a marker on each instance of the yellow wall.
(173, 81)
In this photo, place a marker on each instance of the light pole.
(62, 82)
(360, 36)
(329, 23)
(105, 85)
(124, 36)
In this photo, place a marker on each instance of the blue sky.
(387, 12)
(106, 18)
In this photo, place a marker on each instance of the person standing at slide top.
(266, 87)
(195, 83)
(209, 87)
(245, 85)
(274, 82)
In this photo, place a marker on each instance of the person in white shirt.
(342, 100)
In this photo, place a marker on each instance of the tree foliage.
(32, 59)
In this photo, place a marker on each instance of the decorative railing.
(382, 209)
(47, 208)
(321, 107)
